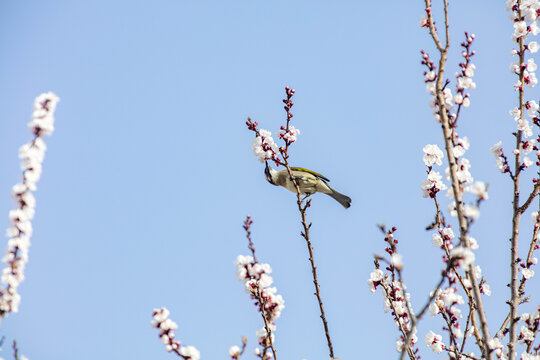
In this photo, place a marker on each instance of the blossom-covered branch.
(257, 281)
(458, 169)
(20, 228)
(166, 327)
(524, 14)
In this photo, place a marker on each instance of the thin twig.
(521, 290)
(471, 314)
(15, 350)
(531, 198)
(247, 228)
(460, 353)
(244, 344)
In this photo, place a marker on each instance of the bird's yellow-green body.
(308, 181)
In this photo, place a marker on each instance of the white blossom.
(464, 82)
(527, 273)
(234, 351)
(520, 29)
(527, 334)
(433, 183)
(530, 14)
(495, 345)
(190, 352)
(526, 356)
(397, 260)
(533, 80)
(525, 127)
(534, 28)
(375, 276)
(431, 75)
(496, 149)
(291, 135)
(434, 308)
(437, 240)
(399, 345)
(434, 341)
(531, 65)
(469, 70)
(463, 256)
(471, 211)
(432, 155)
(473, 244)
(479, 189)
(458, 151)
(423, 20)
(516, 113)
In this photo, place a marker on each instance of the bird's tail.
(340, 198)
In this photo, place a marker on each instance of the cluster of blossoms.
(395, 298)
(433, 155)
(446, 303)
(531, 327)
(465, 180)
(166, 329)
(433, 184)
(464, 76)
(525, 24)
(395, 301)
(446, 300)
(264, 146)
(257, 282)
(496, 345)
(501, 161)
(444, 238)
(289, 135)
(20, 227)
(463, 257)
(464, 82)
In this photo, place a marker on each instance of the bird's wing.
(311, 172)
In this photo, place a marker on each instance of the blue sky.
(150, 173)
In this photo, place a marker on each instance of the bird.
(308, 181)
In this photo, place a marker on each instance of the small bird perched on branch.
(308, 181)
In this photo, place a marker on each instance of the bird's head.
(270, 174)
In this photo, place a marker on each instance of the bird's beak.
(267, 173)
